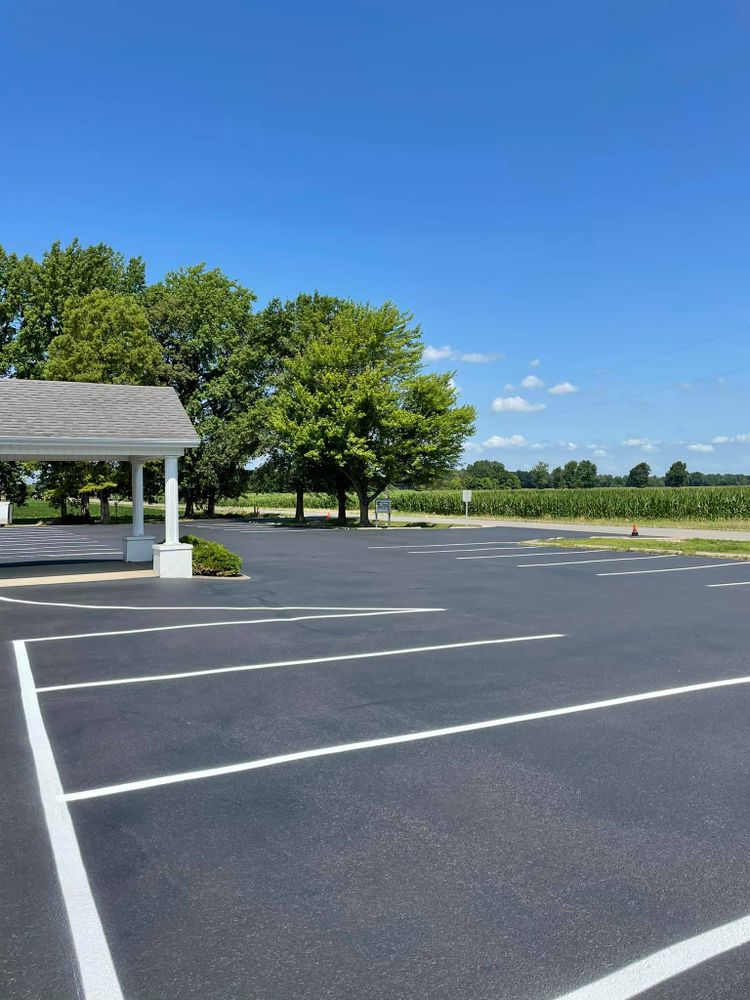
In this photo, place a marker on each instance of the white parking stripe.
(97, 972)
(429, 734)
(298, 663)
(656, 968)
(30, 556)
(446, 545)
(452, 552)
(526, 555)
(736, 583)
(584, 562)
(672, 569)
(199, 607)
(245, 621)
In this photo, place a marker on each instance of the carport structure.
(44, 421)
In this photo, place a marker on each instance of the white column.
(171, 501)
(138, 546)
(136, 479)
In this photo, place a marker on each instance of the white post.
(172, 559)
(136, 479)
(138, 546)
(171, 503)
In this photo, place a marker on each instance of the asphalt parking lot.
(404, 764)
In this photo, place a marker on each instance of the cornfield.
(692, 503)
(687, 503)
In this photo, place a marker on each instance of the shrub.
(212, 558)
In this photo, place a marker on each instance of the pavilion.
(90, 422)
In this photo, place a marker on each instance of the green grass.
(718, 547)
(34, 511)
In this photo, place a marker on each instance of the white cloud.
(742, 438)
(700, 447)
(722, 439)
(448, 353)
(509, 387)
(562, 388)
(532, 382)
(454, 385)
(473, 447)
(475, 358)
(651, 448)
(535, 363)
(601, 453)
(567, 445)
(515, 404)
(438, 353)
(725, 439)
(514, 441)
(635, 442)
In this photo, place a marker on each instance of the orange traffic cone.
(634, 532)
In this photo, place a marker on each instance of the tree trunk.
(341, 494)
(64, 507)
(104, 508)
(364, 509)
(211, 505)
(299, 510)
(189, 506)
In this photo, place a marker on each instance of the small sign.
(467, 496)
(382, 506)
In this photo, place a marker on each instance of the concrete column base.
(173, 561)
(138, 548)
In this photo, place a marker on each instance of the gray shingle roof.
(89, 410)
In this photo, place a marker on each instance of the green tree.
(638, 475)
(356, 400)
(219, 361)
(105, 338)
(35, 294)
(677, 475)
(587, 474)
(540, 475)
(488, 474)
(570, 475)
(13, 485)
(557, 478)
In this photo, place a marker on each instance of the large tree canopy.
(356, 400)
(105, 338)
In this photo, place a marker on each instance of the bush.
(211, 558)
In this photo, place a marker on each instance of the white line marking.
(297, 663)
(245, 621)
(672, 569)
(584, 562)
(523, 555)
(97, 971)
(452, 552)
(200, 607)
(640, 976)
(445, 545)
(430, 734)
(736, 583)
(26, 556)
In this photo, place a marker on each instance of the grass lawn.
(718, 547)
(34, 511)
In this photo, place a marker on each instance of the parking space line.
(524, 555)
(636, 978)
(452, 552)
(584, 562)
(97, 972)
(671, 569)
(199, 607)
(243, 621)
(735, 583)
(297, 663)
(445, 545)
(26, 557)
(253, 765)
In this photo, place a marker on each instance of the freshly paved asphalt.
(514, 863)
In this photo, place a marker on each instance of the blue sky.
(539, 182)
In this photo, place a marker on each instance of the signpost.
(467, 501)
(383, 507)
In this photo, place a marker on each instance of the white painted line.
(452, 552)
(672, 569)
(97, 972)
(736, 583)
(584, 562)
(636, 978)
(245, 621)
(201, 607)
(296, 663)
(524, 555)
(27, 556)
(445, 545)
(429, 734)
